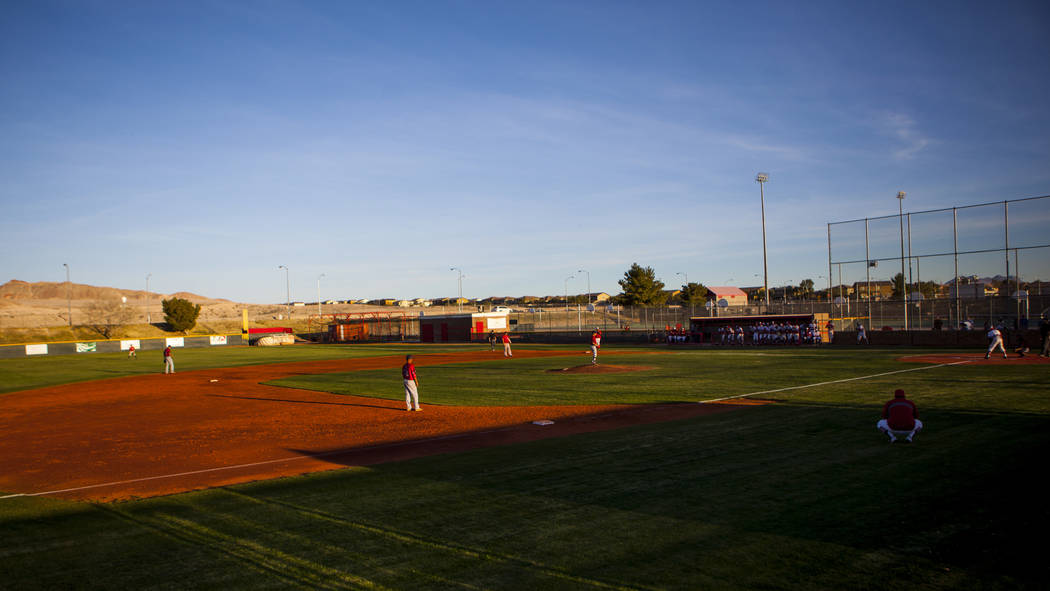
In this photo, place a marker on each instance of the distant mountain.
(17, 290)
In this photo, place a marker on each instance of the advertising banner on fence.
(218, 339)
(86, 347)
(36, 349)
(125, 345)
(174, 342)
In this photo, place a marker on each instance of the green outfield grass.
(689, 376)
(803, 494)
(37, 372)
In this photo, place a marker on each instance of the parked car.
(503, 309)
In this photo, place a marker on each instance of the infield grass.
(803, 494)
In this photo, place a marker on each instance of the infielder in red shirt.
(900, 418)
(506, 345)
(408, 375)
(596, 343)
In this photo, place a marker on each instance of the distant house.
(404, 303)
(599, 296)
(421, 302)
(385, 302)
(880, 290)
(734, 296)
(971, 291)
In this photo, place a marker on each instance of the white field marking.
(874, 375)
(253, 464)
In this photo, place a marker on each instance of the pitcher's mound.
(601, 368)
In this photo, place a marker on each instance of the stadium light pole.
(288, 290)
(567, 291)
(69, 296)
(692, 308)
(460, 298)
(149, 320)
(904, 286)
(319, 296)
(762, 178)
(588, 284)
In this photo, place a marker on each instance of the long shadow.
(819, 473)
(305, 401)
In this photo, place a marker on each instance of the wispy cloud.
(904, 128)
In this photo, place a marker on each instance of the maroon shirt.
(900, 414)
(167, 351)
(408, 372)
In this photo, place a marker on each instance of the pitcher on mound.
(596, 343)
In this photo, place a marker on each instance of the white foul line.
(874, 375)
(252, 464)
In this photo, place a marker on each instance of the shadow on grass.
(961, 495)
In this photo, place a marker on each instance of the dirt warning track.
(160, 434)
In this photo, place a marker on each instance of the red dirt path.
(977, 358)
(160, 434)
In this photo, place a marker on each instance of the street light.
(904, 286)
(459, 301)
(288, 289)
(319, 296)
(692, 308)
(588, 284)
(567, 291)
(69, 296)
(149, 320)
(762, 178)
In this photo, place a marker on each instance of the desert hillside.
(41, 305)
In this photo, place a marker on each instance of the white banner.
(218, 339)
(86, 347)
(498, 322)
(36, 349)
(125, 345)
(174, 342)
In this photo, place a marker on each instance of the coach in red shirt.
(900, 418)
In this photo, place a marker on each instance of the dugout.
(461, 328)
(707, 326)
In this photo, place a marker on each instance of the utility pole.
(762, 178)
(149, 320)
(69, 296)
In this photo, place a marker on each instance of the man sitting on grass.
(900, 418)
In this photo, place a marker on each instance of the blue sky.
(382, 143)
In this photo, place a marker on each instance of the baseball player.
(169, 360)
(861, 335)
(596, 343)
(131, 352)
(900, 418)
(995, 339)
(506, 345)
(408, 376)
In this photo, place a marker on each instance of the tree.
(641, 287)
(693, 294)
(181, 315)
(898, 286)
(104, 316)
(805, 287)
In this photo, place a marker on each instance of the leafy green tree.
(693, 294)
(181, 315)
(898, 286)
(805, 288)
(641, 287)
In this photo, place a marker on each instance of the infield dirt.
(160, 434)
